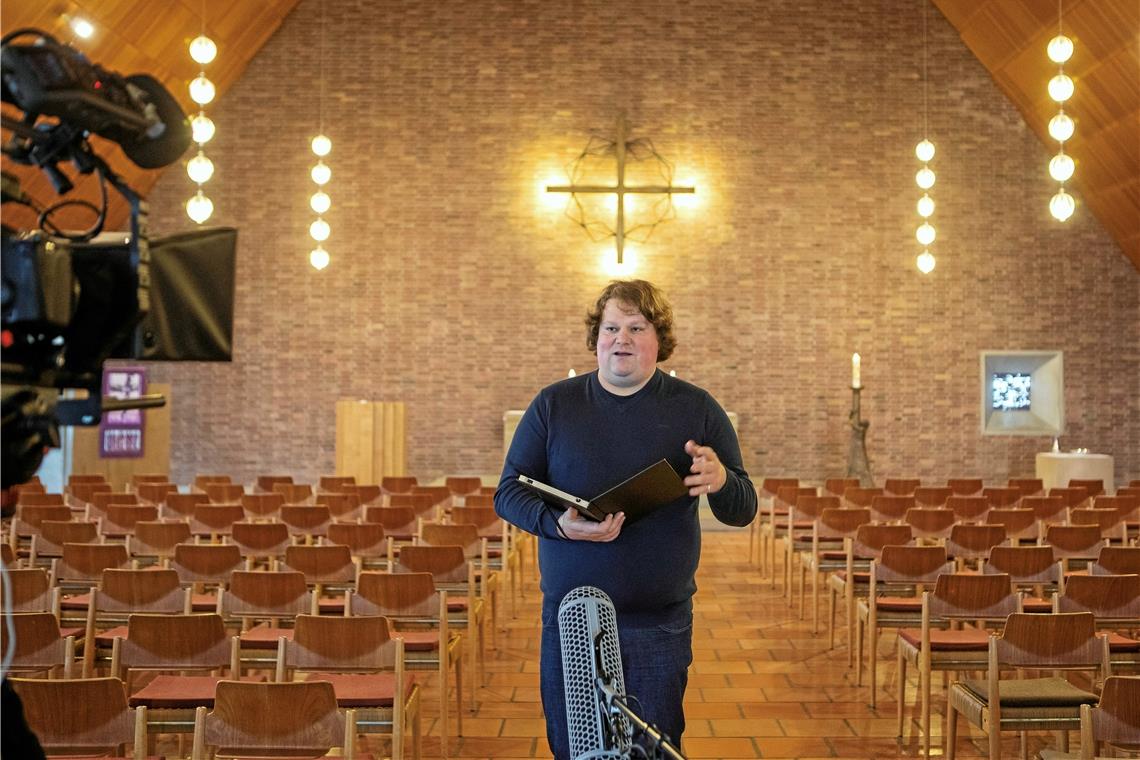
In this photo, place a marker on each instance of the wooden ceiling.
(141, 36)
(1007, 36)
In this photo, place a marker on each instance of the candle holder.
(858, 465)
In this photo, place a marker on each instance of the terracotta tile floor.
(762, 685)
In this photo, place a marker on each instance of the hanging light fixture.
(321, 146)
(200, 168)
(1061, 127)
(924, 178)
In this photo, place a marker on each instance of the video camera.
(70, 301)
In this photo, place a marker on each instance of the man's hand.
(578, 528)
(709, 475)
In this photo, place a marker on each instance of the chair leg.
(831, 618)
(951, 729)
(858, 653)
(815, 600)
(872, 661)
(924, 687)
(900, 691)
(995, 741)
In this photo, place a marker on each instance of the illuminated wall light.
(1061, 88)
(925, 206)
(321, 145)
(1060, 49)
(1061, 127)
(1062, 205)
(319, 230)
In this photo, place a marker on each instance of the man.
(588, 433)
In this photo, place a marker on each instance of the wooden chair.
(837, 486)
(103, 499)
(826, 553)
(1032, 569)
(461, 485)
(398, 483)
(969, 508)
(262, 506)
(901, 486)
(418, 613)
(80, 569)
(1110, 522)
(30, 590)
(366, 667)
(400, 523)
(265, 483)
(930, 525)
(970, 544)
(224, 493)
(426, 505)
(369, 495)
(27, 520)
(775, 527)
(852, 581)
(932, 496)
(965, 486)
(887, 508)
(1030, 643)
(261, 543)
(952, 635)
(894, 600)
(343, 507)
(1117, 560)
(201, 481)
(47, 545)
(1020, 524)
(1128, 507)
(306, 523)
(479, 500)
(1002, 497)
(367, 542)
(40, 649)
(297, 494)
(1046, 509)
(1115, 600)
(452, 572)
(329, 571)
(765, 493)
(859, 497)
(153, 542)
(1074, 497)
(335, 483)
(205, 569)
(264, 604)
(214, 522)
(120, 594)
(180, 506)
(79, 495)
(440, 495)
(26, 498)
(1079, 544)
(87, 715)
(155, 493)
(476, 551)
(1115, 721)
(118, 520)
(802, 517)
(1028, 486)
(1095, 487)
(183, 656)
(272, 720)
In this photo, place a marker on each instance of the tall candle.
(855, 362)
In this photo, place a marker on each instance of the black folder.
(637, 496)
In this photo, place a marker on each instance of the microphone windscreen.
(584, 613)
(168, 147)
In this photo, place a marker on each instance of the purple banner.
(121, 433)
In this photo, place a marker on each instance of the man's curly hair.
(644, 297)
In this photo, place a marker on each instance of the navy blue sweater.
(582, 439)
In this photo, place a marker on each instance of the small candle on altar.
(855, 364)
(571, 373)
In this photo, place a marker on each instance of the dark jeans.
(655, 662)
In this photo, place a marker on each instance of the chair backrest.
(1019, 523)
(1109, 521)
(85, 563)
(120, 519)
(870, 538)
(215, 519)
(54, 534)
(206, 563)
(224, 493)
(181, 505)
(1073, 497)
(335, 483)
(328, 563)
(901, 486)
(479, 501)
(82, 493)
(158, 539)
(295, 493)
(787, 496)
(932, 496)
(930, 522)
(1127, 505)
(175, 642)
(362, 539)
(201, 481)
(1027, 486)
(811, 507)
(155, 493)
(1116, 718)
(305, 520)
(1095, 486)
(361, 643)
(103, 499)
(262, 506)
(447, 564)
(860, 497)
(461, 485)
(1024, 564)
(260, 540)
(970, 596)
(839, 486)
(465, 535)
(40, 499)
(123, 590)
(29, 518)
(398, 483)
(254, 719)
(89, 715)
(1117, 560)
(970, 508)
(399, 522)
(1060, 640)
(1046, 508)
(890, 508)
(278, 594)
(1074, 541)
(96, 477)
(965, 486)
(1002, 496)
(39, 647)
(484, 518)
(424, 504)
(910, 564)
(367, 494)
(439, 494)
(396, 595)
(972, 541)
(840, 523)
(342, 506)
(1114, 598)
(30, 590)
(266, 482)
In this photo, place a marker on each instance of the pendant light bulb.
(320, 202)
(925, 233)
(319, 230)
(200, 168)
(1060, 49)
(925, 262)
(924, 150)
(202, 90)
(925, 206)
(1061, 167)
(1062, 205)
(319, 258)
(202, 49)
(1061, 127)
(199, 208)
(321, 173)
(1061, 88)
(321, 145)
(203, 128)
(925, 178)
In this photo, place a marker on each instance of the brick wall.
(457, 288)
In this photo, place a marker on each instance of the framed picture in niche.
(1022, 393)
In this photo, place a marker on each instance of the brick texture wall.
(457, 288)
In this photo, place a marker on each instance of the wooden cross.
(620, 189)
